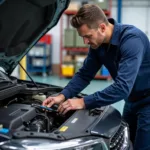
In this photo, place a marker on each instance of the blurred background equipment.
(39, 57)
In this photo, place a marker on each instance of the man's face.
(92, 37)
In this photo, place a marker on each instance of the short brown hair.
(89, 14)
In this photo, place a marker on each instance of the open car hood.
(22, 24)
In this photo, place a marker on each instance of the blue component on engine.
(4, 130)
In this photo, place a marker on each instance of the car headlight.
(121, 139)
(92, 145)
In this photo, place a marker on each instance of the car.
(24, 123)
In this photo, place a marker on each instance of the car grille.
(120, 139)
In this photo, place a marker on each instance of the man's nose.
(85, 40)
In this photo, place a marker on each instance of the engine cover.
(14, 115)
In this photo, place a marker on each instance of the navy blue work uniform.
(127, 57)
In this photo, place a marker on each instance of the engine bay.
(23, 117)
(22, 114)
(20, 107)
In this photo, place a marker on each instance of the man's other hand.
(71, 104)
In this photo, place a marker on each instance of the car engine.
(29, 118)
(21, 102)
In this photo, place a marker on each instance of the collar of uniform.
(116, 32)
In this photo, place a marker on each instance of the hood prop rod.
(28, 74)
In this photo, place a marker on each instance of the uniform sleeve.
(132, 50)
(83, 77)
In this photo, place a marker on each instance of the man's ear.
(102, 27)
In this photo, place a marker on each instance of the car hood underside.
(22, 24)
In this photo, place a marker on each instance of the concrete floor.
(93, 87)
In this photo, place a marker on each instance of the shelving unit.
(74, 49)
(39, 57)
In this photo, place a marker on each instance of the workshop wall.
(135, 12)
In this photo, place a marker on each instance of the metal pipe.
(119, 10)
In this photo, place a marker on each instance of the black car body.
(24, 125)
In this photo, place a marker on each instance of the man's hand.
(71, 104)
(54, 100)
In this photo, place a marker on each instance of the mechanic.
(125, 51)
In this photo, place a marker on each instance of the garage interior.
(61, 52)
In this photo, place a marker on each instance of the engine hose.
(48, 121)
